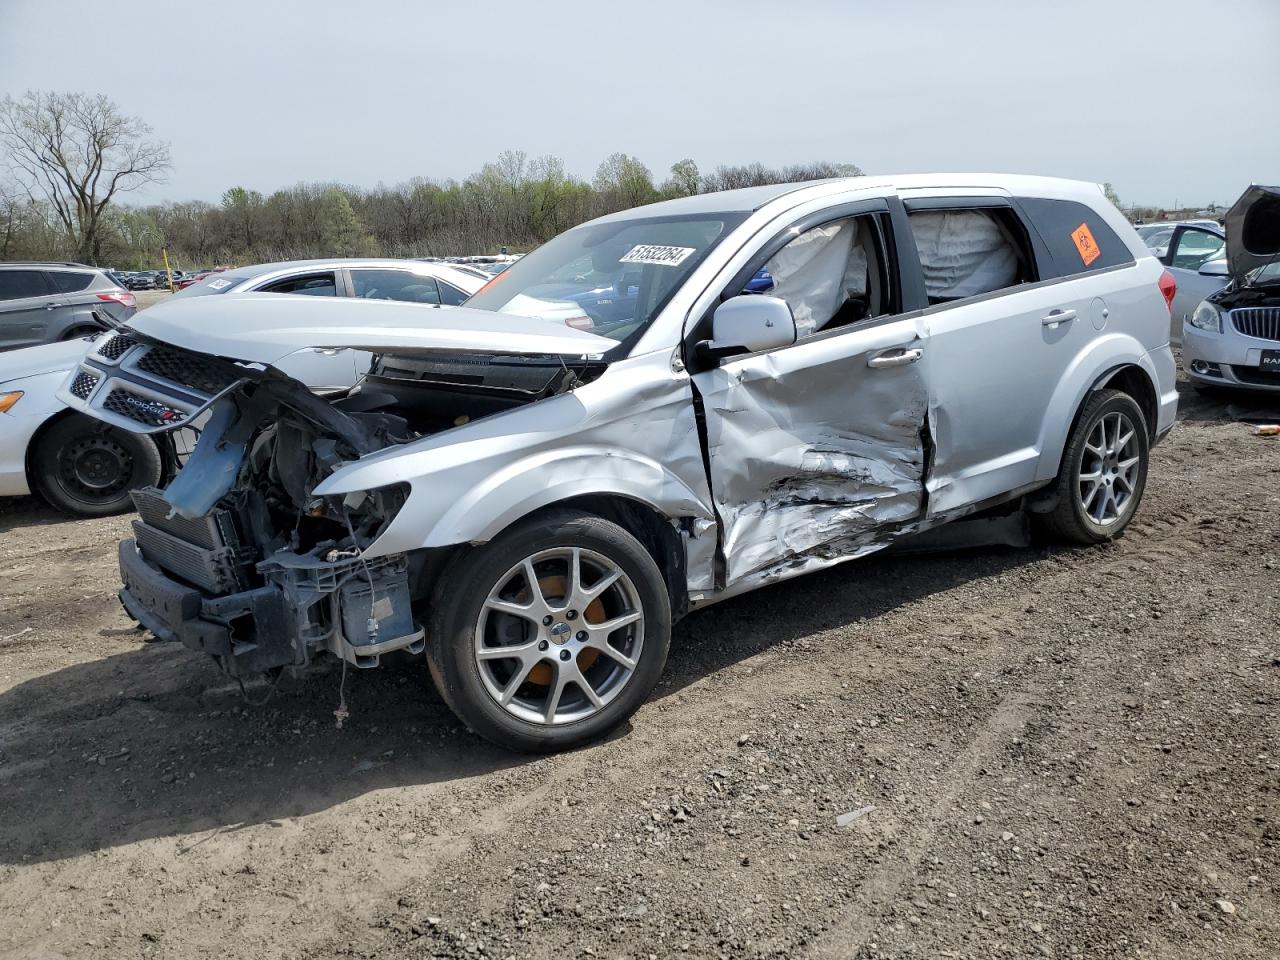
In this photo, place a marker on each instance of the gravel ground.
(1018, 753)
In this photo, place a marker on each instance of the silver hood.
(267, 327)
(1253, 229)
(45, 358)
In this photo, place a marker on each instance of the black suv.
(43, 302)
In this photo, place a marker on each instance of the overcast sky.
(1170, 100)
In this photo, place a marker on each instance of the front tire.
(1103, 472)
(552, 634)
(87, 469)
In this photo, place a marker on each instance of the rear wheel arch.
(1137, 383)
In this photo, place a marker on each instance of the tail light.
(1168, 287)
(122, 297)
(580, 323)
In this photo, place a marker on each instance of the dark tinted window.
(16, 284)
(313, 284)
(1078, 239)
(451, 295)
(68, 281)
(394, 285)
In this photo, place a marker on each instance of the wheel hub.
(96, 465)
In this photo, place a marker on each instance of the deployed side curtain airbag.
(964, 253)
(817, 271)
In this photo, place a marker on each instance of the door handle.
(327, 351)
(1055, 317)
(50, 306)
(897, 357)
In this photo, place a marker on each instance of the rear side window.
(70, 281)
(968, 252)
(17, 284)
(313, 284)
(1079, 241)
(451, 296)
(394, 285)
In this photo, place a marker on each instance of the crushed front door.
(816, 451)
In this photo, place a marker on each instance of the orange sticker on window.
(1085, 244)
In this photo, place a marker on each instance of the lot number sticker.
(1087, 247)
(658, 255)
(219, 284)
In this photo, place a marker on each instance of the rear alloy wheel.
(87, 469)
(1103, 472)
(551, 634)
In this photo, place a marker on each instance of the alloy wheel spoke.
(613, 653)
(517, 679)
(516, 651)
(600, 586)
(603, 630)
(1087, 499)
(526, 611)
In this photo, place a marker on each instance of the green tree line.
(515, 201)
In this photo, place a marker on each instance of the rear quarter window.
(70, 281)
(1078, 239)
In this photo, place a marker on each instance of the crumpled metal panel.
(815, 456)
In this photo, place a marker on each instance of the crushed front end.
(236, 558)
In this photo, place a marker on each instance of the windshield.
(217, 283)
(610, 278)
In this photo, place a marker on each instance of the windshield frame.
(730, 220)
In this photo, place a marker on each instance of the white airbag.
(963, 253)
(817, 271)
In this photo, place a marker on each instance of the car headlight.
(7, 400)
(1206, 317)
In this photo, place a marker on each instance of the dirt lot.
(1057, 753)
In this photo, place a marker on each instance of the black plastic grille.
(1260, 322)
(83, 384)
(116, 346)
(189, 370)
(1262, 378)
(142, 409)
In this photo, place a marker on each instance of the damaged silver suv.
(652, 412)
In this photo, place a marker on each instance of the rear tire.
(87, 469)
(1103, 472)
(562, 634)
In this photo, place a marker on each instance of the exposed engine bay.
(237, 557)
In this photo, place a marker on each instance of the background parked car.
(43, 302)
(1196, 256)
(84, 469)
(1232, 337)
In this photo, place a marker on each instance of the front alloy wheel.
(559, 635)
(551, 634)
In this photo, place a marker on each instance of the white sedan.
(86, 468)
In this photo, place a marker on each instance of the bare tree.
(78, 152)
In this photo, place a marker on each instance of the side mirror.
(1215, 268)
(748, 323)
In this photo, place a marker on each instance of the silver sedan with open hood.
(1232, 339)
(654, 411)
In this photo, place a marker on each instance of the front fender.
(1092, 366)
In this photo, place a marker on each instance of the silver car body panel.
(811, 457)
